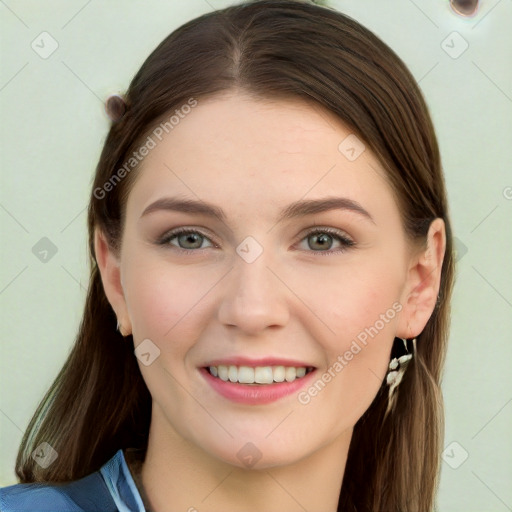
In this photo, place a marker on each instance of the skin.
(253, 158)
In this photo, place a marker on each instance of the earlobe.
(423, 283)
(110, 270)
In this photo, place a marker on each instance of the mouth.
(258, 375)
(251, 384)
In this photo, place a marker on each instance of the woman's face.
(260, 288)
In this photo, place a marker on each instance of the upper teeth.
(258, 374)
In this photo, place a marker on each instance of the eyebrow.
(297, 209)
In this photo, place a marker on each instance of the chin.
(256, 455)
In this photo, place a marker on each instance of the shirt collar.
(120, 484)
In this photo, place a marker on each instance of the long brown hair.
(99, 402)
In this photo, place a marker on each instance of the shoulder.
(87, 494)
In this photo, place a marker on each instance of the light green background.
(53, 126)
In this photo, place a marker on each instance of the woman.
(271, 270)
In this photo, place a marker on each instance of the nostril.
(464, 7)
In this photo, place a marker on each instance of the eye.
(319, 240)
(186, 239)
(322, 239)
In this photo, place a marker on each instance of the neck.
(180, 474)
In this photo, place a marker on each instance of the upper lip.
(264, 361)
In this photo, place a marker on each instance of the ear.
(423, 281)
(110, 270)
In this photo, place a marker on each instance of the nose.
(253, 299)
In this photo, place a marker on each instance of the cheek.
(164, 300)
(348, 297)
(359, 309)
(156, 303)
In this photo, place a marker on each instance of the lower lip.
(257, 394)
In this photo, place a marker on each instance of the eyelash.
(346, 242)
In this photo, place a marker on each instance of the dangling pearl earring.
(397, 367)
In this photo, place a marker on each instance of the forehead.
(238, 151)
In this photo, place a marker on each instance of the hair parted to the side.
(270, 49)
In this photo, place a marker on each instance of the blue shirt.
(110, 489)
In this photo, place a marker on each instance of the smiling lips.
(256, 382)
(258, 374)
